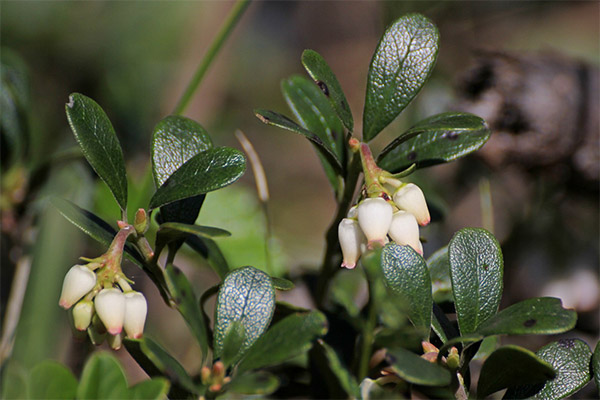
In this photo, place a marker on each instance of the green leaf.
(15, 382)
(158, 363)
(541, 316)
(282, 284)
(596, 365)
(175, 140)
(435, 140)
(187, 305)
(155, 389)
(233, 342)
(93, 225)
(254, 383)
(210, 251)
(96, 136)
(246, 295)
(512, 366)
(288, 338)
(206, 171)
(439, 271)
(281, 121)
(400, 66)
(406, 275)
(170, 231)
(102, 378)
(314, 112)
(476, 270)
(417, 370)
(336, 369)
(52, 380)
(324, 77)
(570, 358)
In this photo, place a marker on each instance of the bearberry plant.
(425, 320)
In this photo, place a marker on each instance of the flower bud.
(78, 282)
(351, 238)
(135, 314)
(404, 230)
(82, 314)
(110, 307)
(115, 341)
(374, 218)
(410, 198)
(140, 222)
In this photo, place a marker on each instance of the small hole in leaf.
(529, 323)
(412, 156)
(323, 87)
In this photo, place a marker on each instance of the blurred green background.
(136, 58)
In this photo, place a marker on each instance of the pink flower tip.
(115, 331)
(348, 265)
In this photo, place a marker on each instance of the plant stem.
(367, 333)
(331, 260)
(226, 29)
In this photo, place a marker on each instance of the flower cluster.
(102, 299)
(391, 209)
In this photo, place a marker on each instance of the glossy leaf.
(233, 342)
(541, 316)
(281, 121)
(206, 171)
(151, 389)
(210, 251)
(157, 362)
(417, 370)
(52, 380)
(512, 366)
(344, 378)
(406, 275)
(596, 365)
(400, 66)
(177, 230)
(96, 136)
(570, 358)
(288, 338)
(93, 225)
(476, 270)
(102, 378)
(282, 284)
(187, 305)
(317, 68)
(439, 271)
(435, 140)
(246, 295)
(254, 383)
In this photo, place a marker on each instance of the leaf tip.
(71, 102)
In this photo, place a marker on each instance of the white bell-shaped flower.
(351, 240)
(404, 230)
(374, 218)
(110, 307)
(353, 212)
(82, 314)
(410, 198)
(135, 314)
(78, 282)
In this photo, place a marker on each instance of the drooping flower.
(374, 219)
(351, 239)
(110, 307)
(82, 314)
(404, 230)
(136, 309)
(410, 198)
(78, 282)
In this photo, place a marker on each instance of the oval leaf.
(102, 378)
(151, 389)
(439, 270)
(247, 295)
(52, 380)
(206, 171)
(512, 366)
(542, 316)
(596, 365)
(435, 140)
(315, 113)
(570, 358)
(406, 275)
(254, 383)
(96, 136)
(233, 342)
(187, 304)
(178, 230)
(317, 68)
(476, 270)
(157, 362)
(175, 140)
(288, 338)
(282, 284)
(326, 358)
(400, 66)
(417, 370)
